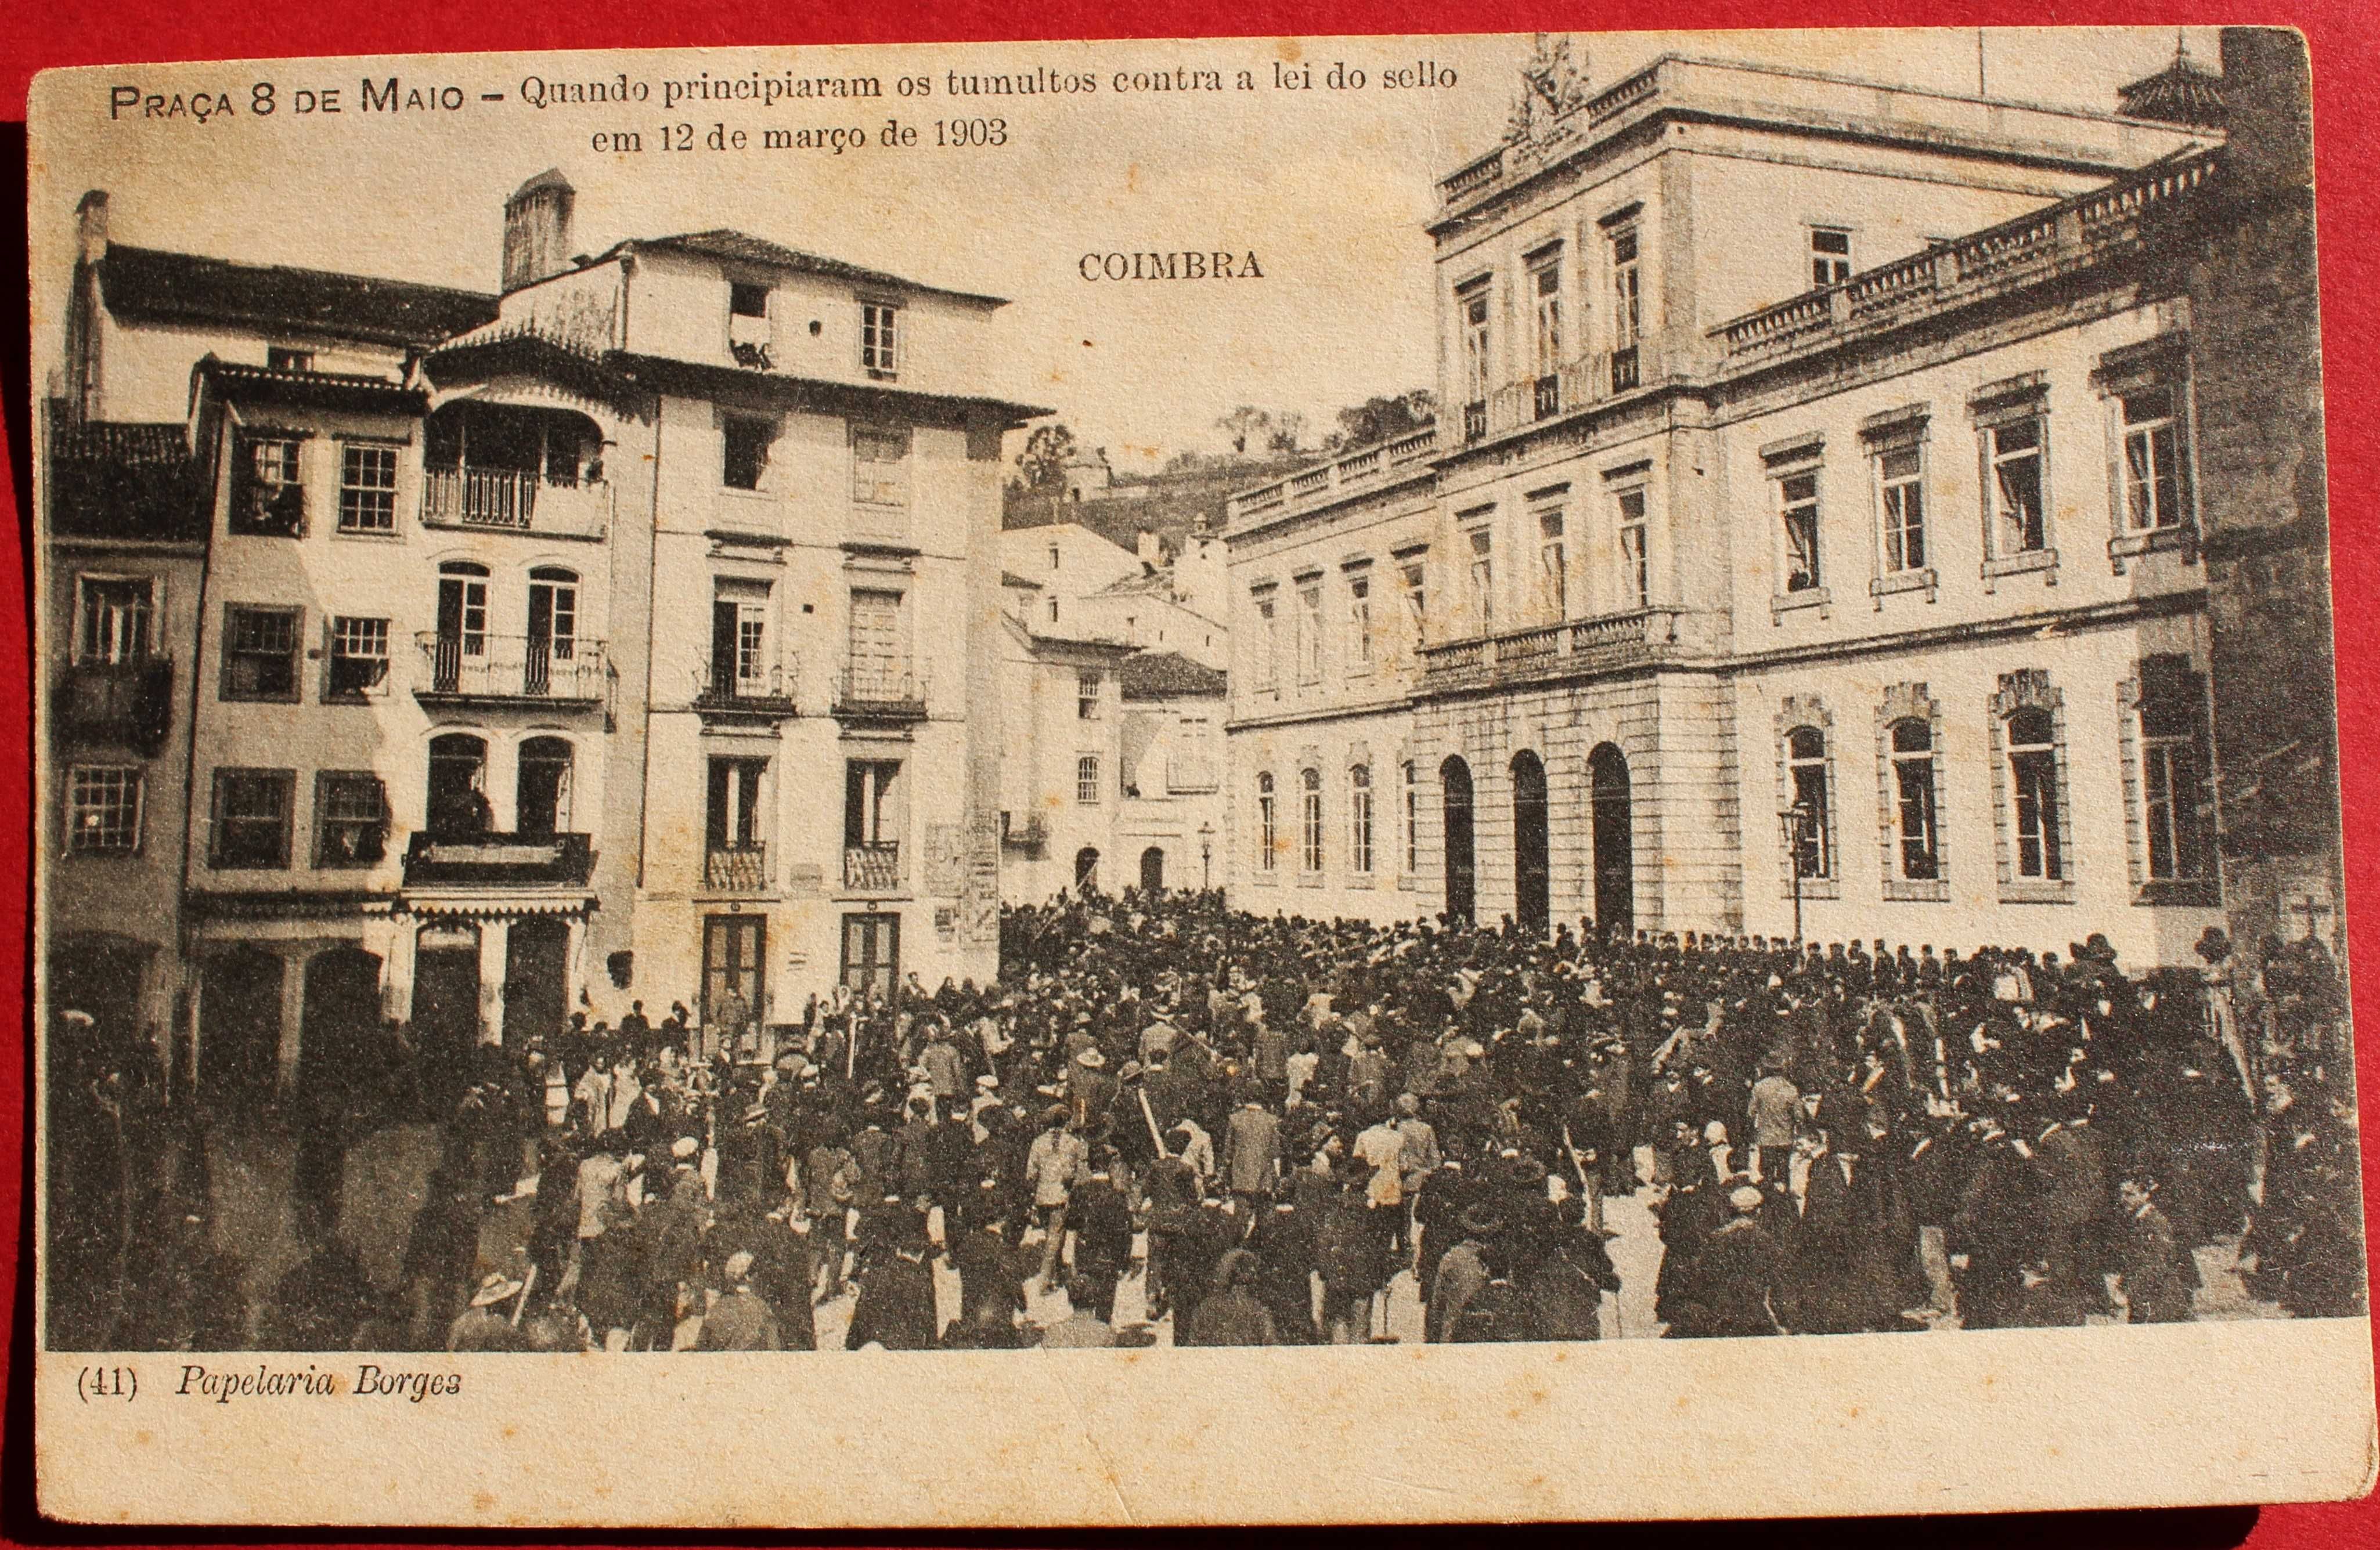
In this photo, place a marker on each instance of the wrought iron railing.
(466, 664)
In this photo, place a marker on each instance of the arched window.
(1912, 786)
(1359, 819)
(2033, 795)
(1805, 765)
(1309, 798)
(458, 786)
(1268, 824)
(461, 622)
(541, 804)
(1086, 869)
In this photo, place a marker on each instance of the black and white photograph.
(1492, 691)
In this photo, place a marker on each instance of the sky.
(1328, 189)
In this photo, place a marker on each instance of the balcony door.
(458, 786)
(1461, 861)
(552, 625)
(462, 622)
(875, 644)
(118, 613)
(542, 792)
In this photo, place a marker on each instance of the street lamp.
(1206, 855)
(1796, 823)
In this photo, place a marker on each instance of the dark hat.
(1481, 1221)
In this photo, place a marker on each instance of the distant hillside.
(1171, 505)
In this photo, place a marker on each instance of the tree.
(1382, 419)
(1288, 436)
(1041, 467)
(1245, 424)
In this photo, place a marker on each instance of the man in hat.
(1462, 1271)
(1252, 1154)
(1735, 1282)
(485, 1326)
(2159, 1276)
(742, 1319)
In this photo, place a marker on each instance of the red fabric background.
(2345, 42)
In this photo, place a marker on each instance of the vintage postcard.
(1190, 782)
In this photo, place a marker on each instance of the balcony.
(2090, 229)
(761, 698)
(126, 704)
(499, 860)
(515, 500)
(1574, 649)
(1376, 467)
(874, 867)
(881, 694)
(1580, 382)
(742, 868)
(512, 670)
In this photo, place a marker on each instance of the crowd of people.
(1262, 1122)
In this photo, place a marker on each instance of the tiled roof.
(148, 283)
(2183, 92)
(118, 479)
(1162, 674)
(336, 390)
(742, 247)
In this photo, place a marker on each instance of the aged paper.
(1190, 782)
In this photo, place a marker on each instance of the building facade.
(1817, 529)
(501, 643)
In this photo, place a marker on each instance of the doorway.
(1152, 870)
(445, 1013)
(1532, 877)
(1615, 840)
(732, 949)
(871, 952)
(1462, 859)
(537, 978)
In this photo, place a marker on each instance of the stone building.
(500, 641)
(1818, 539)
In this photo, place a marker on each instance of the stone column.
(293, 1011)
(495, 950)
(396, 970)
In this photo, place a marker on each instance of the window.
(268, 492)
(740, 660)
(1805, 768)
(2019, 525)
(259, 653)
(1087, 779)
(2155, 487)
(2175, 802)
(735, 818)
(746, 455)
(2033, 772)
(1412, 773)
(553, 611)
(1900, 486)
(350, 819)
(1309, 798)
(1798, 507)
(1552, 564)
(281, 358)
(1483, 577)
(358, 657)
(1087, 684)
(1309, 632)
(1471, 305)
(1359, 819)
(1627, 316)
(1053, 556)
(118, 616)
(1912, 784)
(871, 807)
(1413, 570)
(251, 823)
(1635, 570)
(880, 340)
(1546, 289)
(462, 624)
(1267, 643)
(1054, 611)
(880, 656)
(879, 466)
(1830, 256)
(104, 809)
(1359, 623)
(1267, 829)
(746, 300)
(366, 487)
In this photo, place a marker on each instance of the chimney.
(2270, 96)
(91, 227)
(1146, 545)
(537, 230)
